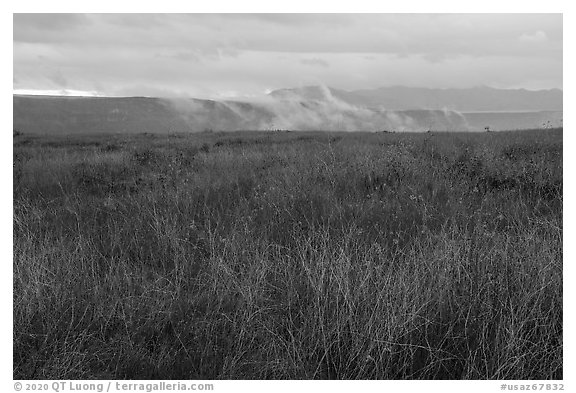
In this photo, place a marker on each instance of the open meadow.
(300, 255)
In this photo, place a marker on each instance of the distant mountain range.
(305, 108)
(476, 99)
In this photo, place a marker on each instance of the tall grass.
(288, 255)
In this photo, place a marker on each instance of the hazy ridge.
(473, 99)
(301, 109)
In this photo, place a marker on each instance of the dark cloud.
(40, 27)
(48, 21)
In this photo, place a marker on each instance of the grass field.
(288, 255)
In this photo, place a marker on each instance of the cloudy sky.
(229, 55)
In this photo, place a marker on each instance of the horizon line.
(72, 93)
